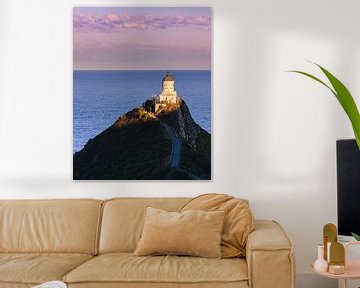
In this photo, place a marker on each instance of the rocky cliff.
(142, 144)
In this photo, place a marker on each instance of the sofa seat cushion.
(36, 268)
(15, 285)
(125, 267)
(242, 284)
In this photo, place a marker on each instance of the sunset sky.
(142, 38)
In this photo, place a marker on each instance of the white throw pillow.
(51, 284)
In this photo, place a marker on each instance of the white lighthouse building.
(168, 94)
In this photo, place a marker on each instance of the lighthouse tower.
(168, 94)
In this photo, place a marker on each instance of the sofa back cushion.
(123, 220)
(66, 226)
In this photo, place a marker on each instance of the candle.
(336, 269)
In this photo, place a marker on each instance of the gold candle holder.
(337, 258)
(329, 237)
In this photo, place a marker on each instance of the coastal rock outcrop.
(137, 146)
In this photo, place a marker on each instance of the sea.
(101, 97)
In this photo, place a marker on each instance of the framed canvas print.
(142, 93)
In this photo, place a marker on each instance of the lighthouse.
(168, 94)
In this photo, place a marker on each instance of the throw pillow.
(239, 220)
(196, 233)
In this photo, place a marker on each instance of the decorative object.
(239, 220)
(194, 233)
(52, 284)
(336, 269)
(351, 268)
(344, 97)
(320, 264)
(346, 100)
(329, 236)
(334, 251)
(337, 258)
(142, 93)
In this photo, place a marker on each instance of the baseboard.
(310, 280)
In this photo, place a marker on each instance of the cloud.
(115, 22)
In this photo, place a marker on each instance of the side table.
(352, 268)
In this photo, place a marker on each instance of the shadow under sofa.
(90, 243)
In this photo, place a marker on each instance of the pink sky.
(142, 38)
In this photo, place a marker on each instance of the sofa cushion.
(123, 220)
(15, 285)
(63, 226)
(236, 284)
(36, 268)
(239, 220)
(126, 268)
(193, 232)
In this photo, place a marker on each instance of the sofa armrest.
(269, 256)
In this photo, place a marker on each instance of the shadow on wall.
(297, 117)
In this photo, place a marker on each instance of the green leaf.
(344, 97)
(356, 236)
(316, 79)
(346, 100)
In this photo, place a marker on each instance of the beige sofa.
(89, 243)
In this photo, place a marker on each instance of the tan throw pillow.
(239, 220)
(196, 233)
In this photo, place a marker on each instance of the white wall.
(273, 132)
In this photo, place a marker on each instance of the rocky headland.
(146, 145)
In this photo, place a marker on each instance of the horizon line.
(90, 69)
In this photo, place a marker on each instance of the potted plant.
(347, 102)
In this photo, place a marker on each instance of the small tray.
(352, 267)
(352, 271)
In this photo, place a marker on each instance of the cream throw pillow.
(238, 223)
(193, 232)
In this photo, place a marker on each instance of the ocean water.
(100, 97)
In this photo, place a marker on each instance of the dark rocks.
(136, 147)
